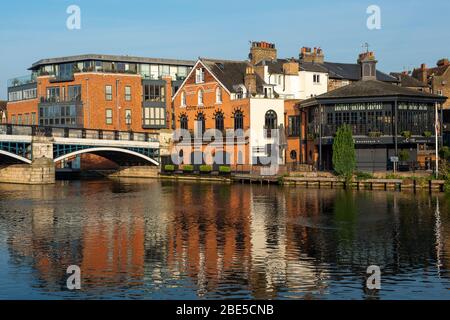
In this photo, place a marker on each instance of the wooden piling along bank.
(323, 182)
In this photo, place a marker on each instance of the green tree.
(344, 157)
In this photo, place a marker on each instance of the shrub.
(224, 169)
(169, 168)
(363, 175)
(344, 157)
(444, 153)
(427, 134)
(205, 168)
(406, 134)
(188, 168)
(374, 134)
(403, 155)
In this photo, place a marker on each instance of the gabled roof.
(231, 73)
(3, 105)
(407, 81)
(374, 88)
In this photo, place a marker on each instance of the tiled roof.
(375, 88)
(231, 73)
(407, 81)
(352, 71)
(2, 105)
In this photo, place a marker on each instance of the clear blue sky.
(412, 31)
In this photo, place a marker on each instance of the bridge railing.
(77, 133)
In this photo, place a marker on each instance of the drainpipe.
(320, 138)
(117, 104)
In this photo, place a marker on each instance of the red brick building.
(99, 92)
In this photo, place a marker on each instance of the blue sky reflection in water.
(161, 240)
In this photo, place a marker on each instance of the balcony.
(59, 99)
(20, 81)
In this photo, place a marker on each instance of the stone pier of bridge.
(41, 171)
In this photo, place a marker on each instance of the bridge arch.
(15, 156)
(100, 150)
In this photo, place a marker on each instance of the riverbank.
(388, 183)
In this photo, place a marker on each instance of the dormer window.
(200, 97)
(218, 95)
(316, 78)
(267, 92)
(199, 75)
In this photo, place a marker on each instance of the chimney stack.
(291, 67)
(250, 80)
(261, 51)
(314, 56)
(368, 65)
(443, 62)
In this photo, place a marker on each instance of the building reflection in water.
(139, 239)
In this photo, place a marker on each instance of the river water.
(148, 239)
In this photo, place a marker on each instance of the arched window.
(200, 97)
(270, 122)
(201, 123)
(293, 155)
(184, 122)
(219, 121)
(218, 95)
(183, 99)
(238, 120)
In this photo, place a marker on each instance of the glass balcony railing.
(20, 81)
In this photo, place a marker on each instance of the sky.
(412, 32)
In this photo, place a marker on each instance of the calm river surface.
(146, 239)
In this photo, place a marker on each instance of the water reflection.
(153, 240)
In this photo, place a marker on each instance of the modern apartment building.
(98, 91)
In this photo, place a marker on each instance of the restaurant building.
(385, 118)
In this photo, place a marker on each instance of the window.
(13, 119)
(218, 95)
(316, 78)
(109, 116)
(293, 155)
(19, 119)
(29, 93)
(200, 97)
(154, 116)
(240, 93)
(200, 123)
(270, 122)
(127, 116)
(108, 93)
(294, 126)
(238, 120)
(154, 92)
(219, 121)
(127, 93)
(33, 118)
(53, 94)
(26, 118)
(183, 99)
(199, 75)
(74, 93)
(184, 122)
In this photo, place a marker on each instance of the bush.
(344, 157)
(444, 153)
(363, 175)
(406, 134)
(188, 168)
(427, 134)
(205, 168)
(169, 168)
(403, 155)
(224, 169)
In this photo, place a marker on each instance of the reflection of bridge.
(27, 144)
